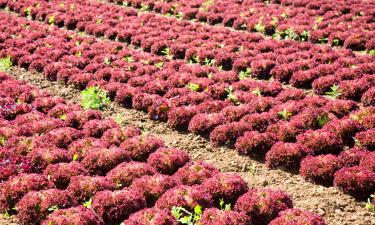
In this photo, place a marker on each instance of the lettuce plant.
(94, 98)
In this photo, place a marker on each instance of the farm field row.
(237, 55)
(93, 171)
(348, 24)
(335, 206)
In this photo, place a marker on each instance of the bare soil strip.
(336, 207)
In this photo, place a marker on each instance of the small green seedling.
(243, 26)
(304, 36)
(285, 114)
(19, 101)
(147, 62)
(223, 206)
(6, 215)
(274, 21)
(51, 19)
(62, 117)
(285, 15)
(119, 185)
(357, 142)
(37, 207)
(94, 98)
(323, 40)
(221, 45)
(131, 68)
(71, 7)
(119, 118)
(53, 208)
(277, 35)
(194, 59)
(107, 61)
(336, 42)
(319, 19)
(239, 49)
(334, 93)
(28, 12)
(179, 15)
(291, 34)
(2, 140)
(208, 3)
(159, 65)
(243, 75)
(88, 203)
(79, 54)
(323, 119)
(168, 15)
(231, 96)
(193, 87)
(75, 157)
(98, 21)
(256, 91)
(144, 7)
(5, 63)
(128, 59)
(183, 216)
(174, 7)
(209, 62)
(166, 52)
(369, 206)
(259, 27)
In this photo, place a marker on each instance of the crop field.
(196, 112)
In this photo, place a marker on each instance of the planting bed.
(335, 206)
(339, 23)
(56, 156)
(247, 55)
(297, 106)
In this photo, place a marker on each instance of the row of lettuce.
(241, 55)
(348, 23)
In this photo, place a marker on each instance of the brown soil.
(336, 207)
